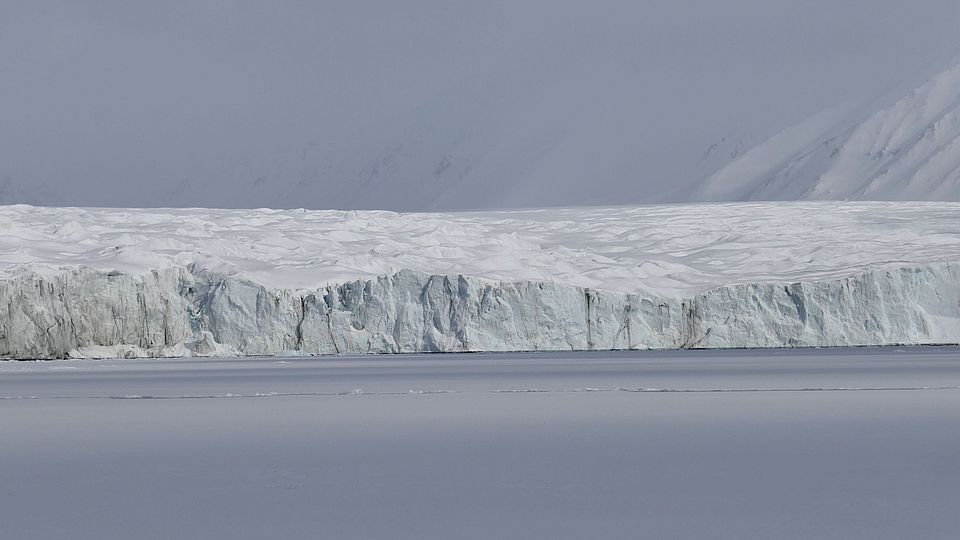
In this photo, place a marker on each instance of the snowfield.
(133, 282)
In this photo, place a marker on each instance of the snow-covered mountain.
(434, 105)
(526, 135)
(566, 139)
(908, 150)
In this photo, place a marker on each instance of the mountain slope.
(909, 150)
(429, 105)
(524, 135)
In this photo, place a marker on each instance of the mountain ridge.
(907, 150)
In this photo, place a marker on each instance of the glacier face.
(101, 283)
(93, 313)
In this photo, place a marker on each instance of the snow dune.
(108, 282)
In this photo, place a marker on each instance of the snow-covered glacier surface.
(112, 282)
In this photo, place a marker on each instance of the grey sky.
(215, 102)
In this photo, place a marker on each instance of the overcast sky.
(125, 102)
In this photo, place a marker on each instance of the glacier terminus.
(85, 282)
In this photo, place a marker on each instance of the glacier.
(83, 282)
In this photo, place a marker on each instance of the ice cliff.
(99, 283)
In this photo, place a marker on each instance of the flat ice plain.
(830, 443)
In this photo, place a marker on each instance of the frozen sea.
(835, 443)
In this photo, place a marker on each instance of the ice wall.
(184, 312)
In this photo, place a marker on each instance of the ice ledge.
(85, 312)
